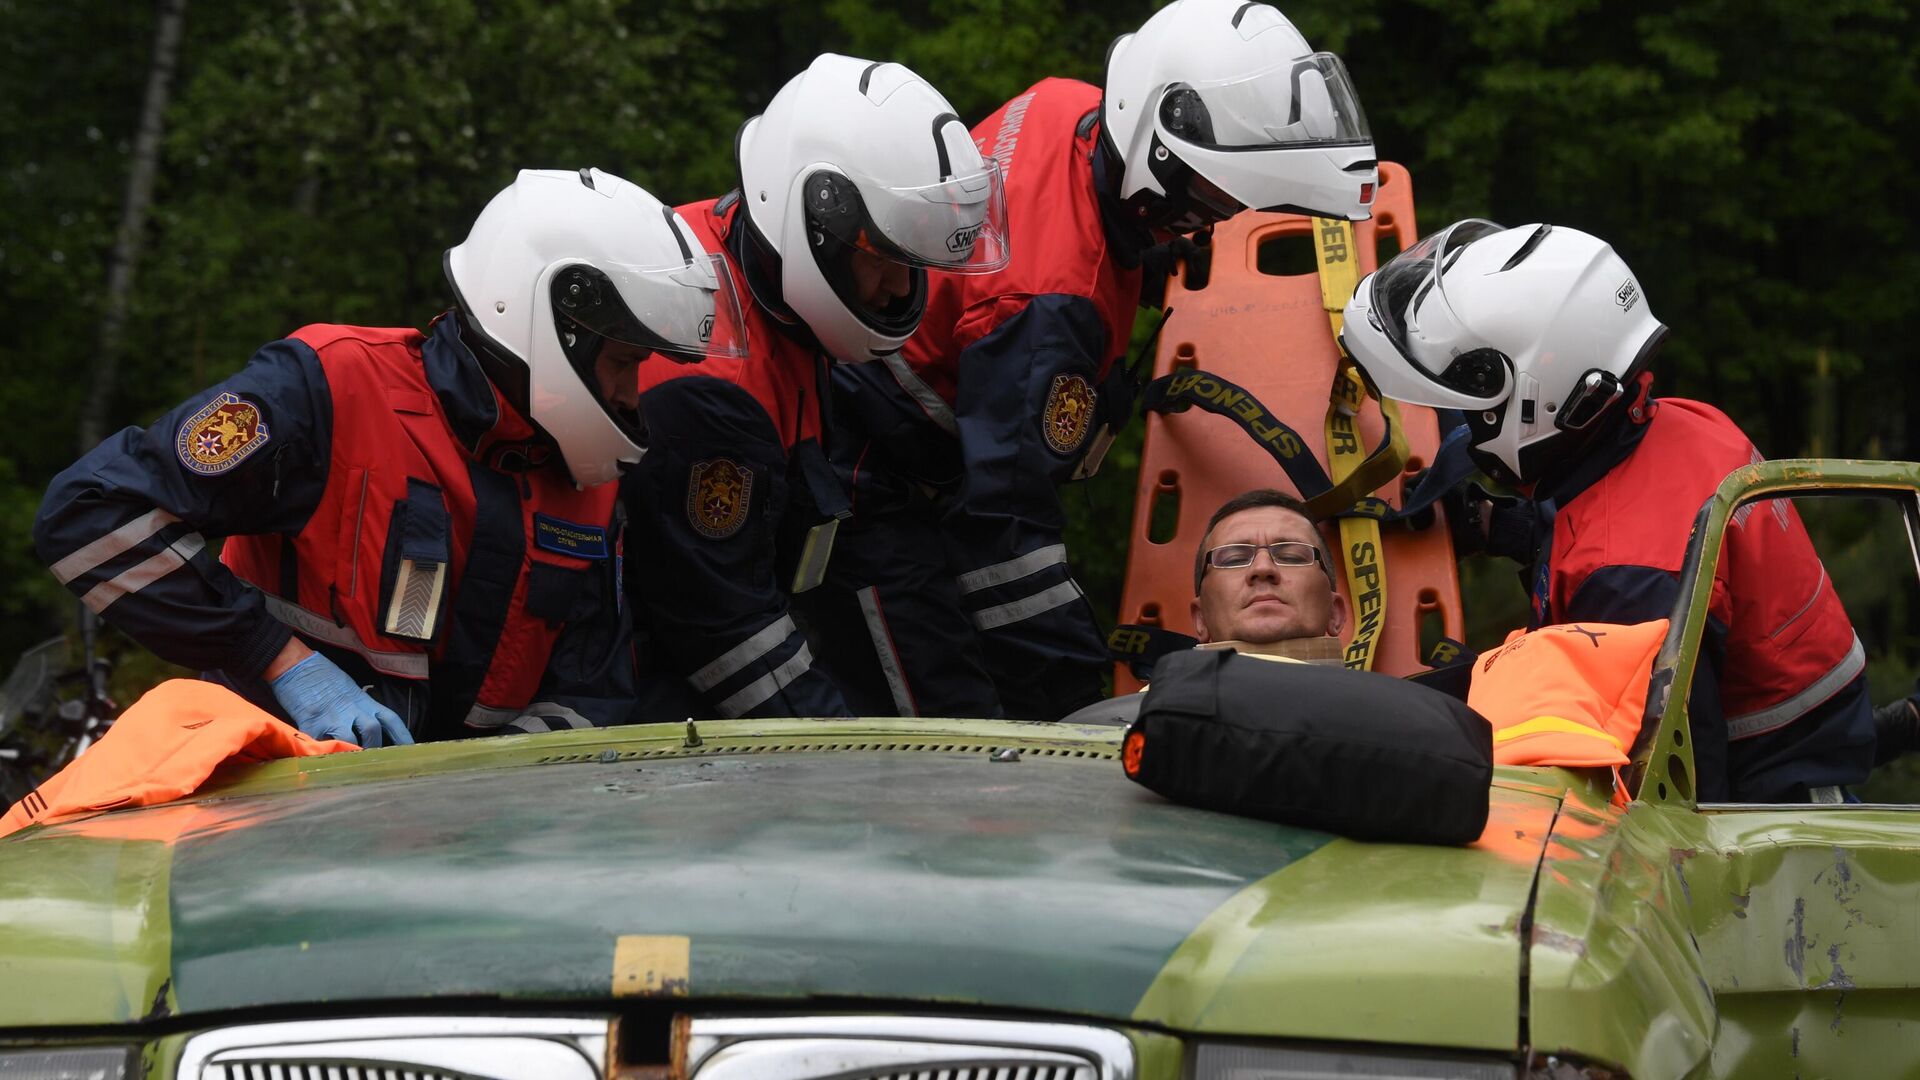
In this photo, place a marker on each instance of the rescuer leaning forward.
(953, 595)
(422, 529)
(1544, 338)
(855, 180)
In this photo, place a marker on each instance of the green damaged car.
(956, 900)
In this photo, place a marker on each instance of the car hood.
(894, 861)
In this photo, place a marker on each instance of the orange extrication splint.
(1567, 695)
(165, 746)
(1260, 321)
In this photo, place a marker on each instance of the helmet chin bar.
(1174, 208)
(1483, 428)
(1544, 461)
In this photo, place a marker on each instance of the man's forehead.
(1263, 522)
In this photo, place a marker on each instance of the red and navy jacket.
(380, 500)
(1779, 704)
(1060, 273)
(999, 395)
(724, 504)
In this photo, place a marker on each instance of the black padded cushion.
(1363, 755)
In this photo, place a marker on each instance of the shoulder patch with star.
(221, 436)
(718, 493)
(1069, 413)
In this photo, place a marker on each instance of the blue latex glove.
(325, 704)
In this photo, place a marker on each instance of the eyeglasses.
(1284, 553)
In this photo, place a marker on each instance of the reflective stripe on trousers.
(737, 658)
(1013, 569)
(764, 687)
(884, 650)
(1020, 610)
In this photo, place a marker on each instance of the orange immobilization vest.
(1567, 695)
(165, 746)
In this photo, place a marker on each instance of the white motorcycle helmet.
(563, 266)
(1215, 106)
(1535, 332)
(862, 162)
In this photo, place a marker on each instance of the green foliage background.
(1750, 158)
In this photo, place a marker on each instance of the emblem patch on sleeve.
(718, 492)
(221, 436)
(1069, 413)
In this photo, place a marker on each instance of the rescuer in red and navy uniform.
(1542, 335)
(423, 536)
(952, 595)
(856, 178)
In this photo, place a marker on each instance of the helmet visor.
(1309, 101)
(1409, 292)
(958, 224)
(685, 313)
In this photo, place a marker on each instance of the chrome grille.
(989, 1071)
(403, 1048)
(321, 1070)
(712, 1048)
(902, 1048)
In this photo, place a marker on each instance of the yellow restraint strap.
(1361, 553)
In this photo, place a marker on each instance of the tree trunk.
(172, 15)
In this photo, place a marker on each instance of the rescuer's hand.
(1466, 508)
(1896, 730)
(1512, 529)
(325, 704)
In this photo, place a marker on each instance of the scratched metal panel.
(1739, 942)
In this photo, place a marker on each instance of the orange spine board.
(1270, 334)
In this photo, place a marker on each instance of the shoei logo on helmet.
(706, 328)
(962, 239)
(1627, 296)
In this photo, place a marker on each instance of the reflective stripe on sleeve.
(883, 648)
(142, 574)
(403, 665)
(485, 718)
(990, 618)
(1747, 725)
(735, 659)
(114, 543)
(764, 687)
(925, 396)
(548, 716)
(1013, 569)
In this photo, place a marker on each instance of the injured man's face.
(1266, 579)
